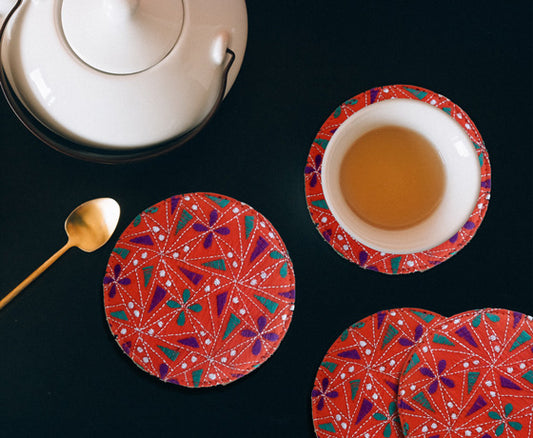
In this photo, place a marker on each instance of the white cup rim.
(461, 165)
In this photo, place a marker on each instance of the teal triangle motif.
(196, 377)
(220, 201)
(137, 220)
(522, 339)
(344, 335)
(276, 255)
(248, 225)
(443, 340)
(528, 376)
(395, 264)
(330, 366)
(421, 399)
(447, 110)
(183, 221)
(122, 252)
(284, 270)
(337, 112)
(321, 203)
(270, 305)
(427, 317)
(480, 160)
(171, 354)
(419, 94)
(216, 264)
(389, 336)
(322, 142)
(351, 102)
(472, 379)
(120, 315)
(413, 362)
(328, 427)
(354, 386)
(147, 274)
(232, 324)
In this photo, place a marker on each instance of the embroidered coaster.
(199, 290)
(471, 376)
(346, 245)
(357, 383)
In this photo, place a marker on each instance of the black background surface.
(62, 373)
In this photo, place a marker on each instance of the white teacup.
(459, 159)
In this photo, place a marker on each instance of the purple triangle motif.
(403, 405)
(189, 342)
(507, 383)
(366, 407)
(290, 294)
(517, 316)
(174, 201)
(373, 94)
(479, 403)
(393, 386)
(464, 333)
(221, 302)
(193, 276)
(381, 318)
(159, 294)
(350, 354)
(143, 240)
(260, 246)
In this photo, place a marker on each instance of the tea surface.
(392, 177)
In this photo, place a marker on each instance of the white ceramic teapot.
(116, 80)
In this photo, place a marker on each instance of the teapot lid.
(122, 36)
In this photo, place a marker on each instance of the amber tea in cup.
(392, 177)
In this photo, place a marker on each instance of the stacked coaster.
(468, 375)
(473, 376)
(357, 383)
(342, 242)
(199, 290)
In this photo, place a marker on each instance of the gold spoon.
(88, 227)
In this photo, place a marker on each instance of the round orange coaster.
(199, 290)
(356, 385)
(472, 376)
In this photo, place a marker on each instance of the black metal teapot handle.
(88, 153)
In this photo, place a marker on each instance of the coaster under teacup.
(357, 383)
(471, 376)
(199, 290)
(353, 249)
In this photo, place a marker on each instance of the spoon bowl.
(88, 227)
(91, 224)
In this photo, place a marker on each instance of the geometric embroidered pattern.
(199, 290)
(356, 386)
(475, 384)
(346, 245)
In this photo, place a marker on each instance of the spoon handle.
(33, 275)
